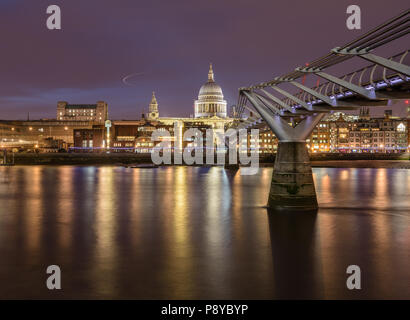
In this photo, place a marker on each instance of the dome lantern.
(211, 74)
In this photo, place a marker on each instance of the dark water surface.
(200, 233)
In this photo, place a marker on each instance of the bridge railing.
(372, 75)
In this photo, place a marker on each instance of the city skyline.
(151, 41)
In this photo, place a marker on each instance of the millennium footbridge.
(292, 108)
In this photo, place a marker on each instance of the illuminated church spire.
(210, 74)
(153, 108)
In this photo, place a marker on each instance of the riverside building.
(82, 112)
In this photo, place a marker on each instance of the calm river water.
(200, 233)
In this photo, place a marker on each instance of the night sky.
(167, 43)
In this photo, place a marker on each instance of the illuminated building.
(339, 127)
(210, 110)
(267, 142)
(44, 135)
(340, 132)
(82, 112)
(319, 140)
(387, 134)
(126, 136)
(88, 138)
(153, 108)
(210, 101)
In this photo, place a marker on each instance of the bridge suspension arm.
(279, 126)
(369, 94)
(269, 104)
(279, 101)
(332, 102)
(387, 63)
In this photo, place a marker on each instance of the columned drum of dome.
(210, 101)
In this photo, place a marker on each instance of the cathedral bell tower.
(153, 108)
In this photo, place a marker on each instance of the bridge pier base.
(292, 186)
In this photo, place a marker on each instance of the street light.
(108, 125)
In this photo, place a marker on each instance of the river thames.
(200, 233)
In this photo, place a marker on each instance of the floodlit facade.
(82, 112)
(210, 101)
(39, 135)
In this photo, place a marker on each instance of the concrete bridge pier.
(292, 186)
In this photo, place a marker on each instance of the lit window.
(401, 127)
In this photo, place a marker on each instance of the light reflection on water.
(200, 233)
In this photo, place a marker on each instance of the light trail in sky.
(127, 77)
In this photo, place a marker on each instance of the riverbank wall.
(132, 158)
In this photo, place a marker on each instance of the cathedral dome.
(210, 99)
(210, 88)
